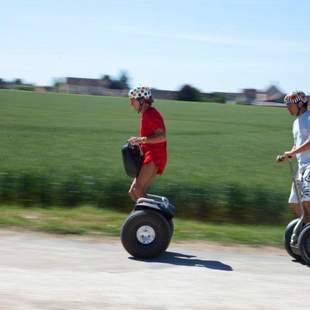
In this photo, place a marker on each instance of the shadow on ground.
(181, 259)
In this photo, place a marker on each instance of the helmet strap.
(300, 108)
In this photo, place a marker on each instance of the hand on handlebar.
(134, 140)
(285, 156)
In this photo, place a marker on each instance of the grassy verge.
(91, 220)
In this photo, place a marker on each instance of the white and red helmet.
(140, 92)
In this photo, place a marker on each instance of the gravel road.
(41, 271)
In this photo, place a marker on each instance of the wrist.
(143, 140)
(290, 154)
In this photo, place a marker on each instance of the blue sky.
(214, 45)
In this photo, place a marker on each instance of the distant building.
(2, 83)
(99, 87)
(249, 95)
(253, 96)
(102, 87)
(89, 86)
(261, 96)
(45, 89)
(164, 94)
(6, 85)
(229, 97)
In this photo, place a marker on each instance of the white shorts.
(303, 182)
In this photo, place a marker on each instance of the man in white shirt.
(297, 105)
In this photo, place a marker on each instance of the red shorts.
(159, 162)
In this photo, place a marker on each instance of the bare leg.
(149, 182)
(296, 210)
(141, 183)
(307, 212)
(295, 207)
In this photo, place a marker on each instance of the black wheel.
(287, 239)
(145, 234)
(170, 222)
(304, 244)
(171, 229)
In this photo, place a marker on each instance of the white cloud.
(274, 45)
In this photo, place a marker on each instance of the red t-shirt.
(152, 120)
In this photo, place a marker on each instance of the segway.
(297, 234)
(147, 231)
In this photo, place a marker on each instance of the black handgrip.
(281, 158)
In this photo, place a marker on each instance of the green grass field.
(221, 156)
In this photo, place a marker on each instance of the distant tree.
(124, 80)
(106, 80)
(2, 83)
(17, 82)
(189, 93)
(120, 83)
(219, 98)
(57, 82)
(116, 84)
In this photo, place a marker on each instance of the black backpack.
(132, 159)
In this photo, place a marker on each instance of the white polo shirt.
(301, 133)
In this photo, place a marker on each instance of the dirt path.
(41, 271)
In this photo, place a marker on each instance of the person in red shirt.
(152, 141)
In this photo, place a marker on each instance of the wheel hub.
(145, 234)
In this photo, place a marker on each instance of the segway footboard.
(161, 205)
